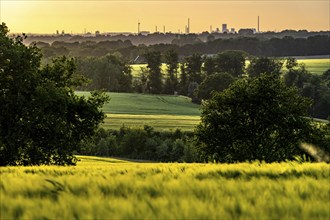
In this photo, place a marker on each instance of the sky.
(77, 16)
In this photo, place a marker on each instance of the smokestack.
(210, 28)
(164, 29)
(188, 27)
(258, 23)
(138, 27)
(156, 28)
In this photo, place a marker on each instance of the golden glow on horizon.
(122, 16)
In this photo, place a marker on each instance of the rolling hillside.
(159, 111)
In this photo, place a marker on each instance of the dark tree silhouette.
(42, 121)
(154, 71)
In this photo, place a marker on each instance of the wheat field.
(103, 188)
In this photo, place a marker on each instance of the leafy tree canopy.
(264, 65)
(154, 68)
(42, 121)
(194, 67)
(256, 118)
(216, 82)
(232, 62)
(172, 62)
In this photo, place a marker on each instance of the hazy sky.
(47, 16)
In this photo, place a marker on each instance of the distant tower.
(138, 27)
(188, 27)
(258, 24)
(156, 28)
(210, 28)
(164, 29)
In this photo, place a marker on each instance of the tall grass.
(100, 188)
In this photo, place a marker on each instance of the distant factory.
(243, 31)
(223, 29)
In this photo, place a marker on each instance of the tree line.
(197, 76)
(189, 45)
(143, 144)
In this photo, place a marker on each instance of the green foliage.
(266, 44)
(193, 65)
(232, 62)
(171, 82)
(109, 73)
(216, 82)
(192, 89)
(296, 73)
(184, 81)
(264, 65)
(42, 120)
(257, 118)
(315, 87)
(209, 66)
(153, 59)
(140, 83)
(143, 143)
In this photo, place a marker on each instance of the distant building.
(144, 33)
(247, 31)
(224, 28)
(232, 30)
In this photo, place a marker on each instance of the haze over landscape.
(76, 16)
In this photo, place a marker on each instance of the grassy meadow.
(104, 188)
(163, 112)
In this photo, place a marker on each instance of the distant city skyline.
(77, 16)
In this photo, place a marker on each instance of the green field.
(160, 111)
(315, 66)
(147, 104)
(101, 188)
(159, 122)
